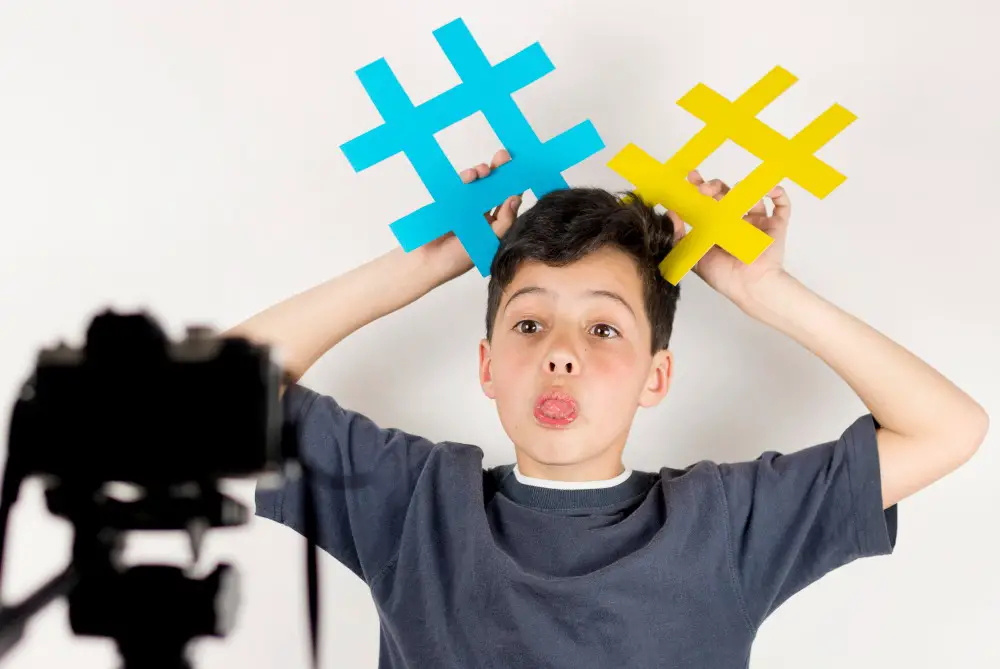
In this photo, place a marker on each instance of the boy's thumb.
(508, 212)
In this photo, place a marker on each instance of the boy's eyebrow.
(591, 293)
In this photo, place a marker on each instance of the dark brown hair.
(566, 225)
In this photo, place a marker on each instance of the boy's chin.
(556, 448)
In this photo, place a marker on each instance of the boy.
(567, 558)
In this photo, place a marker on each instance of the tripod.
(152, 612)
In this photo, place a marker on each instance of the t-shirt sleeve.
(363, 479)
(794, 518)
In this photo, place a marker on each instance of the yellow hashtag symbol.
(721, 222)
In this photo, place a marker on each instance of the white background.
(183, 157)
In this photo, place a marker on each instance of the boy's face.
(561, 330)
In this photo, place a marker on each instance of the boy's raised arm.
(305, 326)
(927, 426)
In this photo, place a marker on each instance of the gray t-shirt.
(470, 568)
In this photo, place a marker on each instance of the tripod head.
(151, 611)
(164, 421)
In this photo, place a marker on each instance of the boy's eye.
(601, 330)
(530, 330)
(604, 327)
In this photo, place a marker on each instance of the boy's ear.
(485, 369)
(658, 382)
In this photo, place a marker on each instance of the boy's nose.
(562, 363)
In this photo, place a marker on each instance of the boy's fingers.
(679, 228)
(506, 214)
(494, 216)
(782, 204)
(715, 188)
(694, 176)
(482, 169)
(719, 185)
(500, 157)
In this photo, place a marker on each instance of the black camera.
(134, 407)
(165, 420)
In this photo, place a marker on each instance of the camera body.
(132, 406)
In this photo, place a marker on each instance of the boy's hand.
(724, 272)
(446, 252)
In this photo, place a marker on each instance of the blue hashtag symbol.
(458, 207)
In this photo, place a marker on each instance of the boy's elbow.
(983, 424)
(974, 428)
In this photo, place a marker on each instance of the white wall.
(183, 157)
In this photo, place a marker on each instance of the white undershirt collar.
(571, 485)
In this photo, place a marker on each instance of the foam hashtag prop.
(459, 207)
(720, 223)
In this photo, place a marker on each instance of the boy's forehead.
(606, 270)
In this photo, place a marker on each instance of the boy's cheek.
(611, 366)
(614, 381)
(515, 365)
(513, 381)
